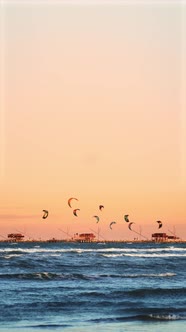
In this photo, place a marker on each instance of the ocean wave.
(165, 317)
(48, 276)
(140, 275)
(12, 256)
(74, 276)
(46, 326)
(142, 294)
(141, 317)
(144, 255)
(155, 292)
(38, 249)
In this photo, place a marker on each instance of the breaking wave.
(144, 255)
(38, 249)
(147, 317)
(73, 276)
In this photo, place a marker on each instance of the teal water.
(92, 286)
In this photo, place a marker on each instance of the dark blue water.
(70, 286)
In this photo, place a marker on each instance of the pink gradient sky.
(93, 107)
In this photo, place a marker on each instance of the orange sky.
(93, 106)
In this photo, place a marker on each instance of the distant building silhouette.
(15, 236)
(84, 237)
(163, 237)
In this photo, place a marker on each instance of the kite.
(130, 225)
(96, 218)
(101, 207)
(69, 201)
(112, 223)
(159, 223)
(75, 212)
(45, 214)
(126, 217)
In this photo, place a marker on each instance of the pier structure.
(16, 237)
(163, 237)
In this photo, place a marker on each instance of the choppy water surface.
(105, 286)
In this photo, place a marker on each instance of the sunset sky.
(93, 106)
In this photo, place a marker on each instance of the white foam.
(11, 255)
(156, 255)
(170, 251)
(164, 317)
(144, 255)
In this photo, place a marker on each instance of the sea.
(86, 287)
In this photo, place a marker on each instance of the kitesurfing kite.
(131, 225)
(126, 217)
(45, 214)
(112, 223)
(96, 218)
(70, 199)
(75, 212)
(159, 223)
(101, 207)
